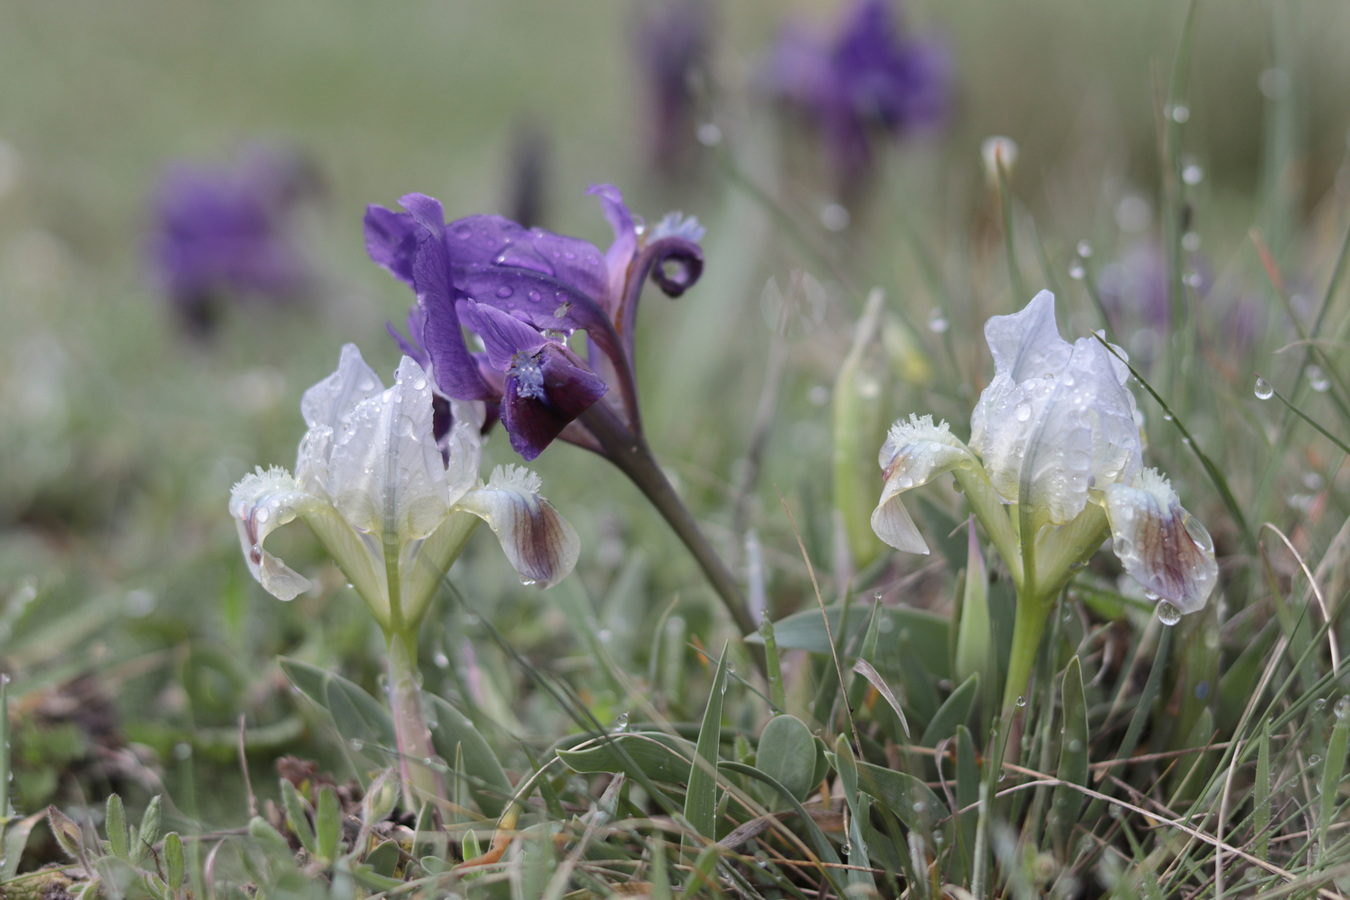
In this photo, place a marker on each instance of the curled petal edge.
(915, 452)
(260, 503)
(539, 542)
(1160, 544)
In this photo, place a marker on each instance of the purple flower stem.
(629, 451)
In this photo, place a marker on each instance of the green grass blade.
(700, 800)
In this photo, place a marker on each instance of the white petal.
(1056, 423)
(465, 448)
(915, 452)
(539, 542)
(261, 503)
(1160, 544)
(386, 474)
(327, 408)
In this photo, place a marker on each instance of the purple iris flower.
(870, 79)
(524, 293)
(671, 40)
(225, 233)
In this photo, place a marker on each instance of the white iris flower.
(372, 484)
(1054, 436)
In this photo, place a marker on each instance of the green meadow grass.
(190, 735)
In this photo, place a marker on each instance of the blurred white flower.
(393, 510)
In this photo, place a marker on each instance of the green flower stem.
(629, 451)
(1033, 610)
(421, 781)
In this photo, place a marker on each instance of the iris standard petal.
(915, 452)
(1159, 543)
(386, 473)
(540, 543)
(391, 240)
(624, 247)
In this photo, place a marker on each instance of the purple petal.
(455, 369)
(620, 253)
(549, 278)
(503, 334)
(536, 413)
(391, 240)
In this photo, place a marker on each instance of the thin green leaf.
(700, 800)
(328, 825)
(868, 671)
(847, 767)
(1073, 757)
(298, 819)
(1261, 794)
(955, 711)
(1332, 770)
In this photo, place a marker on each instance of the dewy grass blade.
(700, 801)
(1332, 769)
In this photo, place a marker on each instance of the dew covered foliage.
(674, 449)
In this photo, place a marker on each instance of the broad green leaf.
(659, 756)
(357, 715)
(143, 839)
(967, 795)
(924, 632)
(383, 859)
(700, 799)
(175, 865)
(787, 752)
(455, 736)
(116, 827)
(908, 797)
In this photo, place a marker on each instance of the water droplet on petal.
(1168, 614)
(1263, 390)
(505, 291)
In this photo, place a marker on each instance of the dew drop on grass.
(1263, 390)
(709, 135)
(1192, 174)
(1342, 708)
(937, 322)
(1076, 270)
(1084, 249)
(1168, 614)
(1314, 759)
(1180, 113)
(835, 218)
(357, 745)
(1190, 241)
(1021, 701)
(1319, 704)
(1317, 379)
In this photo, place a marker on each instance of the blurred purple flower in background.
(524, 293)
(870, 80)
(671, 40)
(223, 234)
